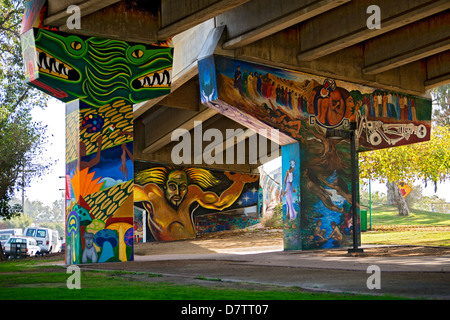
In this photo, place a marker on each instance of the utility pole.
(351, 134)
(354, 163)
(23, 189)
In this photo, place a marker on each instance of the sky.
(47, 188)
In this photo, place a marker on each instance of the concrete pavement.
(413, 277)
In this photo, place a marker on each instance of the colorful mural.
(174, 197)
(313, 115)
(326, 216)
(100, 80)
(259, 97)
(235, 107)
(95, 70)
(33, 16)
(291, 195)
(223, 222)
(99, 165)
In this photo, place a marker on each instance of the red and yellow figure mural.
(173, 196)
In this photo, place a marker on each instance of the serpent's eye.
(137, 53)
(76, 45)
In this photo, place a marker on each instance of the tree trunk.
(390, 195)
(397, 199)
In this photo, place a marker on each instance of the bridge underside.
(318, 51)
(410, 53)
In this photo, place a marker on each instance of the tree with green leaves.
(21, 139)
(426, 161)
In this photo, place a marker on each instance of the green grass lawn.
(388, 215)
(422, 228)
(412, 238)
(21, 280)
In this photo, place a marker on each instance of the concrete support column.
(291, 195)
(99, 166)
(100, 80)
(314, 116)
(317, 198)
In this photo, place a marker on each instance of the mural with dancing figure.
(291, 195)
(175, 197)
(313, 113)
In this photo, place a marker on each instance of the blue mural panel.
(291, 196)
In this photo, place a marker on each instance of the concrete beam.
(125, 20)
(177, 18)
(181, 122)
(411, 43)
(258, 19)
(187, 46)
(163, 155)
(57, 15)
(222, 123)
(185, 97)
(438, 70)
(279, 51)
(347, 24)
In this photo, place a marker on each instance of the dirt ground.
(260, 239)
(217, 242)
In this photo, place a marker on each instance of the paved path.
(416, 277)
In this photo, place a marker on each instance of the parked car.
(6, 233)
(31, 246)
(47, 239)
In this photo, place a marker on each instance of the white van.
(6, 233)
(47, 239)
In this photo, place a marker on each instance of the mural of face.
(176, 187)
(89, 240)
(168, 193)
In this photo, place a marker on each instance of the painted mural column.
(291, 195)
(99, 164)
(317, 193)
(100, 80)
(326, 188)
(313, 115)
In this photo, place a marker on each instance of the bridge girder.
(410, 53)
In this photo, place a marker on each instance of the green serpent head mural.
(94, 70)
